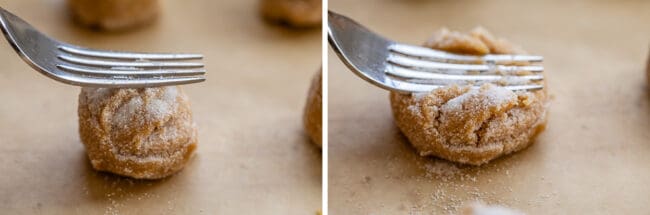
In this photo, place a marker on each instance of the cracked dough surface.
(114, 14)
(297, 13)
(312, 118)
(141, 133)
(470, 126)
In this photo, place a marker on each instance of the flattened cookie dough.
(312, 118)
(470, 126)
(141, 133)
(114, 14)
(297, 13)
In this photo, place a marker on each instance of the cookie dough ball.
(297, 13)
(141, 133)
(470, 126)
(114, 14)
(312, 117)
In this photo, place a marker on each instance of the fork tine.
(126, 55)
(457, 68)
(86, 71)
(129, 83)
(129, 64)
(410, 87)
(427, 53)
(416, 74)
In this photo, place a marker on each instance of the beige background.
(594, 157)
(252, 157)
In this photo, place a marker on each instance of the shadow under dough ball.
(313, 115)
(296, 13)
(114, 14)
(141, 133)
(470, 126)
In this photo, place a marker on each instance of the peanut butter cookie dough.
(470, 126)
(312, 117)
(141, 133)
(114, 14)
(297, 13)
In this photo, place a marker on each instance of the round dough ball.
(141, 133)
(114, 14)
(313, 116)
(471, 126)
(297, 13)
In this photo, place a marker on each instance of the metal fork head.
(96, 68)
(361, 50)
(405, 68)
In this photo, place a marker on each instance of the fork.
(80, 66)
(406, 68)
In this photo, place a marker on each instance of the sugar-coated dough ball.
(471, 126)
(312, 118)
(297, 13)
(141, 133)
(114, 14)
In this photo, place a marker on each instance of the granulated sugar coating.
(470, 126)
(142, 133)
(455, 186)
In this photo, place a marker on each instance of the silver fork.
(407, 68)
(97, 68)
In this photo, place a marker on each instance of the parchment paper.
(594, 157)
(252, 156)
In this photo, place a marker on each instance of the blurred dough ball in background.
(296, 13)
(313, 116)
(114, 14)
